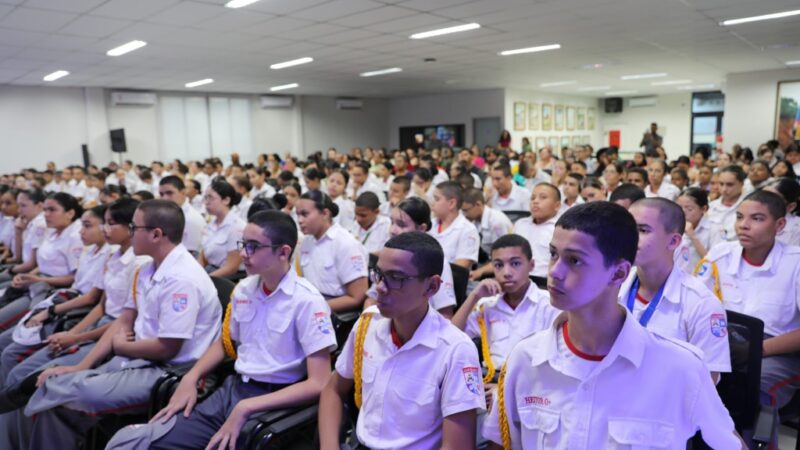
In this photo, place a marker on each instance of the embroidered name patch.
(472, 376)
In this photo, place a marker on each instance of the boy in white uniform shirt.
(371, 228)
(490, 223)
(538, 228)
(722, 211)
(283, 328)
(664, 298)
(760, 277)
(578, 385)
(416, 376)
(458, 237)
(172, 188)
(172, 316)
(507, 196)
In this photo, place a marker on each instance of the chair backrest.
(739, 389)
(224, 288)
(460, 280)
(516, 215)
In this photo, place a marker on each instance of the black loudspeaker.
(85, 152)
(118, 141)
(614, 105)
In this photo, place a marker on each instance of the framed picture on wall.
(570, 118)
(547, 116)
(558, 118)
(553, 142)
(540, 142)
(590, 115)
(576, 141)
(564, 141)
(533, 116)
(787, 121)
(520, 115)
(581, 123)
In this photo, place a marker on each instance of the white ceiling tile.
(374, 16)
(278, 26)
(93, 26)
(187, 13)
(76, 6)
(285, 6)
(19, 37)
(336, 9)
(36, 19)
(314, 31)
(235, 20)
(132, 9)
(410, 25)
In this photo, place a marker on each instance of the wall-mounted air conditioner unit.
(349, 103)
(133, 98)
(642, 102)
(276, 101)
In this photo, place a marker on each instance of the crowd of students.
(589, 276)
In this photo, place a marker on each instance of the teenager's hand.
(184, 399)
(37, 319)
(227, 435)
(689, 229)
(60, 341)
(487, 288)
(54, 372)
(20, 224)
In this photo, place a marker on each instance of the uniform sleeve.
(179, 308)
(708, 331)
(344, 363)
(462, 388)
(234, 237)
(352, 264)
(37, 236)
(471, 329)
(314, 328)
(468, 244)
(234, 324)
(711, 416)
(73, 256)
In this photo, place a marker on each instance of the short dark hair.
(144, 195)
(278, 226)
(368, 200)
(700, 196)
(34, 195)
(122, 210)
(173, 180)
(670, 214)
(424, 174)
(68, 202)
(513, 240)
(452, 190)
(789, 188)
(736, 171)
(641, 172)
(775, 203)
(363, 165)
(166, 216)
(612, 227)
(473, 196)
(98, 211)
(627, 191)
(552, 187)
(243, 182)
(428, 256)
(225, 190)
(418, 210)
(504, 168)
(403, 181)
(322, 201)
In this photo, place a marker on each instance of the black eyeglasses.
(392, 280)
(133, 227)
(251, 247)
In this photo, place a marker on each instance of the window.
(707, 111)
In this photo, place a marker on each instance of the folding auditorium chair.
(516, 215)
(460, 281)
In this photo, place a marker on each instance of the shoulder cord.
(505, 433)
(227, 342)
(487, 355)
(358, 355)
(714, 276)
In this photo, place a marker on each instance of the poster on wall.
(558, 120)
(581, 125)
(590, 118)
(520, 117)
(533, 116)
(787, 116)
(570, 118)
(553, 142)
(565, 141)
(540, 142)
(547, 116)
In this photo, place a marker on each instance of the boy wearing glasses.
(416, 376)
(282, 325)
(171, 317)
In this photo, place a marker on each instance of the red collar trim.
(744, 257)
(642, 299)
(395, 337)
(267, 292)
(574, 350)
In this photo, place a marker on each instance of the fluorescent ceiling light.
(696, 87)
(294, 62)
(381, 72)
(670, 83)
(200, 82)
(557, 83)
(620, 92)
(594, 88)
(760, 18)
(283, 87)
(642, 76)
(56, 75)
(541, 48)
(239, 3)
(793, 63)
(448, 30)
(125, 48)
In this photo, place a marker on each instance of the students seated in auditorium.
(626, 194)
(613, 176)
(414, 214)
(91, 196)
(490, 223)
(402, 165)
(146, 182)
(53, 181)
(758, 276)
(592, 190)
(697, 232)
(596, 347)
(193, 195)
(666, 299)
(9, 211)
(560, 171)
(531, 174)
(111, 193)
(292, 193)
(505, 194)
(337, 185)
(243, 187)
(360, 182)
(758, 176)
(258, 178)
(218, 253)
(282, 365)
(172, 317)
(789, 189)
(792, 156)
(578, 167)
(438, 173)
(372, 228)
(141, 196)
(679, 178)
(504, 309)
(422, 184)
(703, 180)
(172, 188)
(538, 229)
(722, 211)
(782, 169)
(56, 257)
(76, 187)
(657, 186)
(638, 176)
(416, 377)
(458, 237)
(329, 256)
(399, 190)
(571, 191)
(383, 173)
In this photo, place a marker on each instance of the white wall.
(672, 112)
(750, 100)
(325, 126)
(454, 108)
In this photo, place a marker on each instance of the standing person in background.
(651, 140)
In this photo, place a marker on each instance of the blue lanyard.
(651, 308)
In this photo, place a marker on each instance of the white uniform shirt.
(790, 234)
(444, 297)
(220, 239)
(347, 213)
(375, 236)
(540, 177)
(539, 236)
(117, 279)
(7, 231)
(32, 236)
(459, 241)
(556, 400)
(686, 256)
(242, 208)
(333, 261)
(667, 190)
(91, 265)
(266, 190)
(76, 189)
(371, 186)
(408, 391)
(53, 187)
(770, 292)
(723, 221)
(493, 225)
(519, 199)
(277, 332)
(505, 327)
(91, 194)
(59, 252)
(689, 312)
(177, 301)
(193, 228)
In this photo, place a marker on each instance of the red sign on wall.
(614, 139)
